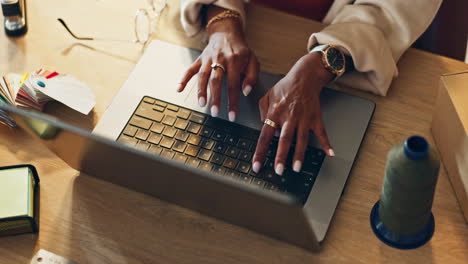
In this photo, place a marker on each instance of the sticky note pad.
(18, 188)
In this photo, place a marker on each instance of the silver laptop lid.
(273, 214)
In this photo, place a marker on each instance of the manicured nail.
(214, 111)
(297, 166)
(202, 101)
(331, 152)
(279, 169)
(247, 89)
(257, 166)
(232, 116)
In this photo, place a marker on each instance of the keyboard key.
(205, 166)
(182, 135)
(149, 100)
(206, 131)
(127, 140)
(181, 124)
(166, 142)
(158, 108)
(194, 140)
(193, 162)
(231, 140)
(258, 183)
(168, 154)
(256, 175)
(155, 150)
(244, 144)
(217, 159)
(205, 154)
(271, 187)
(245, 178)
(143, 145)
(180, 157)
(269, 164)
(271, 152)
(230, 163)
(218, 135)
(268, 175)
(193, 128)
(157, 128)
(130, 131)
(197, 118)
(179, 146)
(192, 150)
(219, 170)
(232, 152)
(183, 113)
(154, 138)
(207, 143)
(243, 167)
(142, 134)
(173, 108)
(246, 156)
(220, 147)
(163, 104)
(169, 120)
(141, 122)
(147, 111)
(169, 132)
(232, 174)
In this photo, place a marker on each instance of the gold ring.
(217, 65)
(270, 123)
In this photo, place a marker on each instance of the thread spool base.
(396, 240)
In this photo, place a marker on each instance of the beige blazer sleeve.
(374, 32)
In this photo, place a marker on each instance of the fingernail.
(279, 169)
(297, 166)
(214, 111)
(247, 90)
(202, 101)
(257, 166)
(232, 116)
(331, 152)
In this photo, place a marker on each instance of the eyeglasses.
(143, 24)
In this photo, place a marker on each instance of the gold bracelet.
(228, 14)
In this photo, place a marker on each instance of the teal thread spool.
(403, 217)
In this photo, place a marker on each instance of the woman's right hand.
(227, 46)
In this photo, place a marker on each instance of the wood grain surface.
(91, 221)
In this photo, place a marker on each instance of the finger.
(203, 77)
(263, 105)
(321, 134)
(191, 71)
(302, 140)
(262, 147)
(216, 81)
(233, 76)
(251, 75)
(286, 136)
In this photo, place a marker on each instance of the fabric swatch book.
(35, 90)
(18, 200)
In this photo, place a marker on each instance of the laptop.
(154, 140)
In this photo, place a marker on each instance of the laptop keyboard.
(215, 145)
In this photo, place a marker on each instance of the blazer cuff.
(191, 13)
(373, 61)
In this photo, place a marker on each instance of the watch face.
(335, 59)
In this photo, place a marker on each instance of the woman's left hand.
(294, 105)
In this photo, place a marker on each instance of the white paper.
(69, 91)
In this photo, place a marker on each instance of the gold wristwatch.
(334, 60)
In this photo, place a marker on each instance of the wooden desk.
(92, 221)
